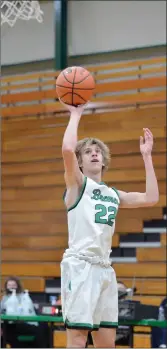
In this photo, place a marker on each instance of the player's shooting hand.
(78, 109)
(146, 142)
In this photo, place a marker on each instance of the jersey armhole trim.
(116, 193)
(80, 195)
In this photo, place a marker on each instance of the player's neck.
(96, 177)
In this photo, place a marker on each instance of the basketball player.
(89, 286)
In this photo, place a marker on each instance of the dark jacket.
(159, 335)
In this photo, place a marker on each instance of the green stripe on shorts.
(108, 324)
(78, 324)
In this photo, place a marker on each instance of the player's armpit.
(73, 175)
(134, 200)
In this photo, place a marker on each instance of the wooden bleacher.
(139, 341)
(35, 284)
(23, 253)
(34, 229)
(137, 78)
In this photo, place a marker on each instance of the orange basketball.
(75, 86)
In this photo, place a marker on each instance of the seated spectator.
(16, 329)
(121, 286)
(121, 289)
(12, 283)
(58, 301)
(159, 335)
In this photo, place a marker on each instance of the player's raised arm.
(73, 175)
(151, 195)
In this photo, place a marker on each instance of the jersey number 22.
(105, 215)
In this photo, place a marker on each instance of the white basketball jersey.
(91, 220)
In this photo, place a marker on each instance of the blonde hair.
(90, 141)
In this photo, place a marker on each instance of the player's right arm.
(73, 176)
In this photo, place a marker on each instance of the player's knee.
(77, 339)
(105, 338)
(106, 343)
(112, 344)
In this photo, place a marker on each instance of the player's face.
(92, 159)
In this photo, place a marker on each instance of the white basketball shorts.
(89, 295)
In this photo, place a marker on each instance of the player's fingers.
(141, 140)
(83, 105)
(86, 104)
(65, 105)
(149, 137)
(145, 134)
(148, 132)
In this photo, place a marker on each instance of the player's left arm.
(151, 195)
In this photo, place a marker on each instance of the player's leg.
(104, 338)
(76, 338)
(107, 311)
(79, 300)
